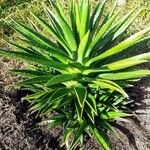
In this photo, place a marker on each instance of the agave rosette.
(80, 76)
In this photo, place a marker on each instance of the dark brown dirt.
(19, 130)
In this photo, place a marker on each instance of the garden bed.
(19, 130)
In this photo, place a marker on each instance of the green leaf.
(125, 75)
(84, 18)
(39, 40)
(81, 93)
(35, 59)
(36, 107)
(50, 107)
(55, 121)
(67, 134)
(18, 47)
(107, 126)
(59, 79)
(121, 46)
(35, 95)
(55, 105)
(50, 29)
(91, 102)
(106, 84)
(73, 17)
(79, 109)
(116, 30)
(95, 70)
(59, 7)
(78, 22)
(35, 80)
(125, 22)
(40, 102)
(90, 113)
(112, 10)
(33, 25)
(96, 15)
(109, 14)
(83, 46)
(29, 72)
(69, 37)
(101, 137)
(28, 49)
(112, 115)
(77, 135)
(34, 88)
(122, 64)
(61, 92)
(58, 29)
(100, 33)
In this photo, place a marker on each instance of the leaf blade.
(121, 46)
(125, 75)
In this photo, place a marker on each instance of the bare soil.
(19, 130)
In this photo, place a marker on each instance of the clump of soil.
(19, 130)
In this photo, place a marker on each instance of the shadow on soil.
(43, 140)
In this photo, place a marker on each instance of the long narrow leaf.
(125, 75)
(121, 46)
(54, 121)
(106, 84)
(92, 103)
(81, 94)
(29, 72)
(35, 80)
(96, 15)
(128, 62)
(39, 40)
(65, 28)
(49, 29)
(84, 18)
(35, 59)
(62, 78)
(77, 135)
(113, 115)
(100, 33)
(107, 126)
(116, 30)
(101, 137)
(59, 94)
(82, 47)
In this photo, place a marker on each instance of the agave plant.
(82, 74)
